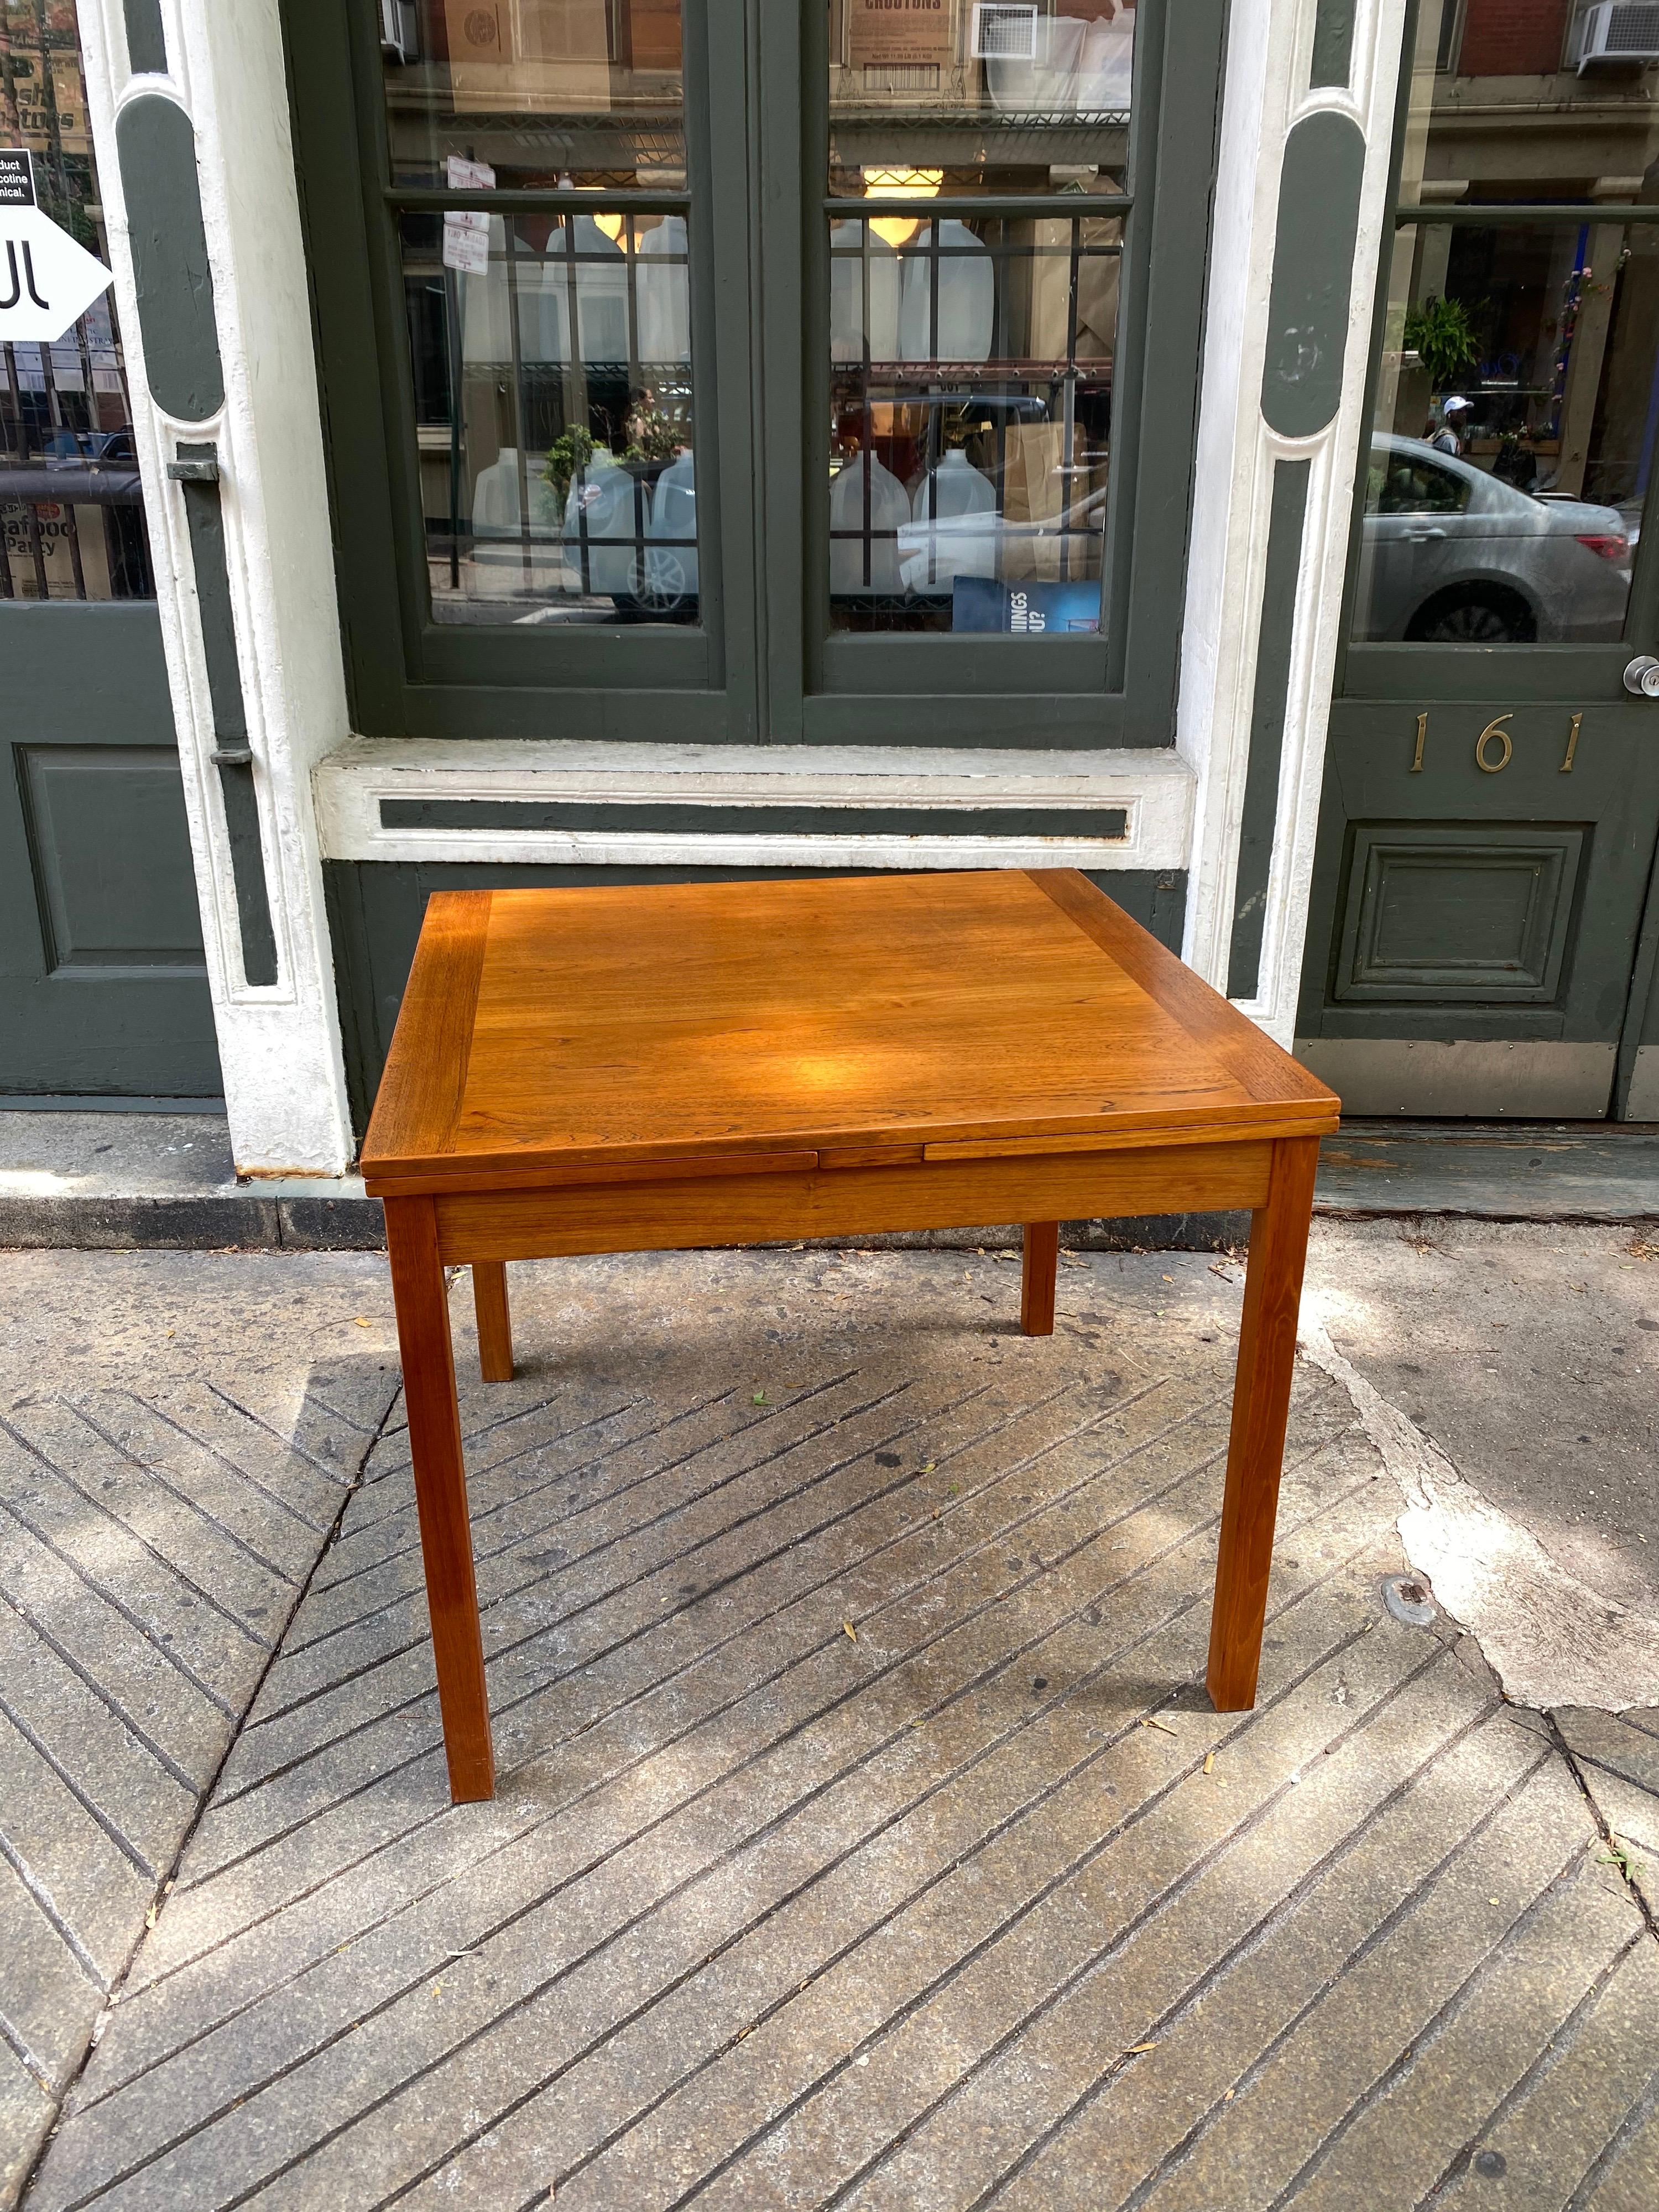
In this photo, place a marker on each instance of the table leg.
(1262, 1403)
(1038, 1271)
(419, 1293)
(494, 1320)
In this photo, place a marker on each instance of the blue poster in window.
(1026, 609)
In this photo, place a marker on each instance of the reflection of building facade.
(1508, 115)
(857, 435)
(71, 524)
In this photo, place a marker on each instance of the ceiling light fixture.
(900, 185)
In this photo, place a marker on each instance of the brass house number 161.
(1494, 749)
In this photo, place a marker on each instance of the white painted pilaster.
(1266, 94)
(279, 1046)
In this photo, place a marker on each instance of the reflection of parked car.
(933, 553)
(1450, 555)
(111, 447)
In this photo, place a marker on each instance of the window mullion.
(716, 218)
(784, 97)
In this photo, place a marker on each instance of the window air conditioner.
(1617, 31)
(1008, 33)
(399, 34)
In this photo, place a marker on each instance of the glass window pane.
(1027, 97)
(551, 353)
(543, 92)
(551, 359)
(971, 356)
(71, 513)
(970, 422)
(1517, 410)
(1544, 100)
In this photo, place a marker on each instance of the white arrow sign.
(46, 281)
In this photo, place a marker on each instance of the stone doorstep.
(116, 1181)
(105, 1180)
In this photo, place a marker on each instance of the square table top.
(914, 1016)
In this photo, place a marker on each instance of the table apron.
(759, 1209)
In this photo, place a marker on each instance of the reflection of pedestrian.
(1446, 439)
(1517, 463)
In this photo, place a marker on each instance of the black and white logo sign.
(17, 179)
(46, 281)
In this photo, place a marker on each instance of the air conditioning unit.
(1005, 31)
(399, 30)
(1624, 30)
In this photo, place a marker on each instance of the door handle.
(1422, 537)
(1642, 677)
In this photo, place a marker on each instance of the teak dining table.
(642, 1069)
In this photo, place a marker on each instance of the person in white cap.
(1445, 439)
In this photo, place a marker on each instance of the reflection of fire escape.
(896, 410)
(1588, 293)
(1572, 293)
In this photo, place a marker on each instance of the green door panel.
(111, 854)
(103, 985)
(1314, 241)
(1456, 916)
(1475, 921)
(170, 269)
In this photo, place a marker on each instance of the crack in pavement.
(1551, 1639)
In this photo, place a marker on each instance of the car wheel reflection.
(1473, 618)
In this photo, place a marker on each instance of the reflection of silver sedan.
(932, 553)
(1452, 555)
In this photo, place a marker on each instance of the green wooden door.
(103, 989)
(1477, 927)
(1482, 916)
(103, 985)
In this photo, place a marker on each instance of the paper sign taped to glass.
(1030, 609)
(886, 32)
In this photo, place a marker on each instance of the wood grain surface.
(494, 1317)
(660, 1216)
(1262, 1405)
(1248, 1053)
(1040, 1265)
(421, 1296)
(564, 1028)
(424, 1084)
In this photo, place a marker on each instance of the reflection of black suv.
(78, 468)
(103, 446)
